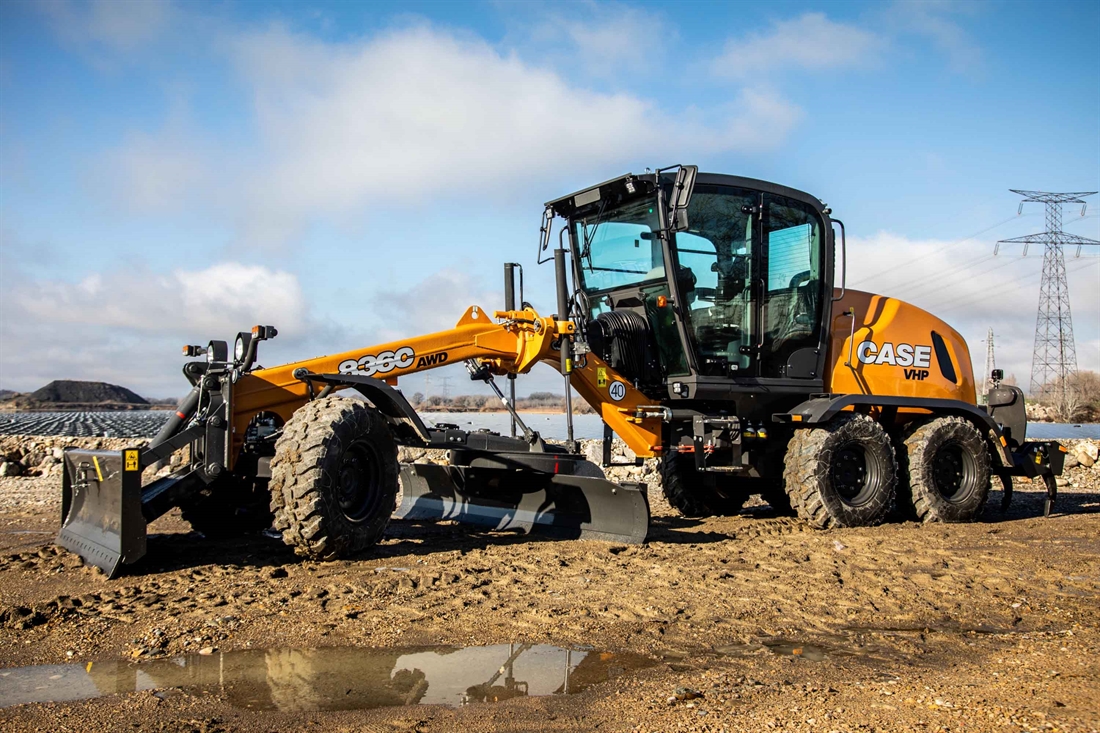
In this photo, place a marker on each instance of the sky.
(173, 172)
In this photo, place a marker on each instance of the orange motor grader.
(705, 325)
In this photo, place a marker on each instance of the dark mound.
(67, 390)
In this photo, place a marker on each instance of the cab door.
(789, 292)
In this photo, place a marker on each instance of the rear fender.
(822, 409)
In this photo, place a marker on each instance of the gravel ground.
(751, 623)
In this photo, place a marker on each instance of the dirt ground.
(748, 623)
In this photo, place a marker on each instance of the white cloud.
(420, 113)
(605, 40)
(118, 25)
(972, 290)
(127, 325)
(810, 41)
(433, 304)
(933, 20)
(218, 299)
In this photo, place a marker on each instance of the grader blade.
(556, 505)
(101, 517)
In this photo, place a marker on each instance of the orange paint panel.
(886, 348)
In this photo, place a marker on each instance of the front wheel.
(945, 465)
(693, 493)
(842, 473)
(229, 507)
(334, 478)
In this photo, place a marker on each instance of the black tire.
(771, 487)
(229, 507)
(692, 493)
(334, 478)
(842, 474)
(775, 493)
(944, 471)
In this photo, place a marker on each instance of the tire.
(229, 508)
(775, 494)
(842, 474)
(771, 487)
(334, 478)
(690, 492)
(944, 470)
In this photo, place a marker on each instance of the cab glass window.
(619, 248)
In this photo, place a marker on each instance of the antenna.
(1054, 359)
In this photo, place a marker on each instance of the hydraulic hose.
(184, 410)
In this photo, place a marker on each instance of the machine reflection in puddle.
(780, 647)
(335, 678)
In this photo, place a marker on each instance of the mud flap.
(101, 517)
(563, 506)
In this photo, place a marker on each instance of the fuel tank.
(884, 346)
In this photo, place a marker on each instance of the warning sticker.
(131, 460)
(601, 376)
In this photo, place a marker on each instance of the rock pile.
(22, 455)
(1084, 453)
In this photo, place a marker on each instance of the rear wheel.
(334, 478)
(693, 493)
(842, 474)
(945, 466)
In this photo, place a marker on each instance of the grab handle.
(851, 313)
(844, 259)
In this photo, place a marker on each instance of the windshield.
(619, 246)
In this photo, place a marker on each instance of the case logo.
(918, 357)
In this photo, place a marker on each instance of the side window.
(699, 255)
(789, 262)
(792, 300)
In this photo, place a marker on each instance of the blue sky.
(355, 172)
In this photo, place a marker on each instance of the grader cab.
(698, 314)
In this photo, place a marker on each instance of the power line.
(944, 248)
(970, 297)
(1054, 358)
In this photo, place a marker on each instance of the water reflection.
(338, 678)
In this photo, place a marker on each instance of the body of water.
(146, 423)
(591, 426)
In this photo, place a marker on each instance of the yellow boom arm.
(511, 344)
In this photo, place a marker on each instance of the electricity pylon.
(1054, 359)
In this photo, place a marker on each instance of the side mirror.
(681, 196)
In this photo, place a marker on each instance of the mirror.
(681, 196)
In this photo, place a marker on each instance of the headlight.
(240, 346)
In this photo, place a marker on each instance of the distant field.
(134, 424)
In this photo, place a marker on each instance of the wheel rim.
(853, 475)
(359, 492)
(953, 472)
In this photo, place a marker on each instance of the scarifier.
(705, 326)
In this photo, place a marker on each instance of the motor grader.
(708, 324)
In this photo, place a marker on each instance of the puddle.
(338, 678)
(779, 647)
